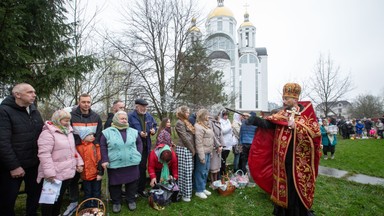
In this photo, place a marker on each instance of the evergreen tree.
(199, 85)
(35, 43)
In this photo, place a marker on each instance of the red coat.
(154, 166)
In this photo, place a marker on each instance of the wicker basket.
(230, 187)
(99, 210)
(241, 179)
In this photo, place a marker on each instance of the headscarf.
(165, 170)
(116, 123)
(57, 117)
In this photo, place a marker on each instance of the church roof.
(261, 51)
(246, 21)
(244, 24)
(194, 29)
(219, 55)
(220, 10)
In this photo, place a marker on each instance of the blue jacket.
(122, 154)
(247, 132)
(134, 122)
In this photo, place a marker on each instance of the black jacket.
(108, 123)
(91, 120)
(19, 132)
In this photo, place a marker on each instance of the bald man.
(20, 127)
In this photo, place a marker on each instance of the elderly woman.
(185, 151)
(59, 159)
(204, 140)
(121, 149)
(218, 144)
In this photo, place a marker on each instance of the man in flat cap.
(146, 125)
(285, 154)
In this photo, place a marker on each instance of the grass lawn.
(333, 196)
(364, 156)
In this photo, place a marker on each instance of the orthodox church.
(235, 54)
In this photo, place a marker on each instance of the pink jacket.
(57, 153)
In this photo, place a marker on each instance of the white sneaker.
(186, 199)
(70, 209)
(201, 195)
(207, 192)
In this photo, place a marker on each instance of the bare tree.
(108, 81)
(328, 86)
(368, 106)
(153, 44)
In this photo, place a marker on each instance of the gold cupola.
(220, 10)
(246, 21)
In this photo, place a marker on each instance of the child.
(93, 171)
(372, 133)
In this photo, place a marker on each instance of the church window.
(231, 28)
(219, 25)
(252, 59)
(247, 39)
(244, 59)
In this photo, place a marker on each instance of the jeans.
(92, 189)
(201, 172)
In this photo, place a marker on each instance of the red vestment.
(269, 149)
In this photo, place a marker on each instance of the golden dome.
(244, 24)
(246, 21)
(194, 29)
(220, 11)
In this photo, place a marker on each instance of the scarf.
(62, 128)
(165, 170)
(115, 121)
(57, 117)
(181, 116)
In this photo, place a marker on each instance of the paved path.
(359, 178)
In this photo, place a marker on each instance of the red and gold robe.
(269, 149)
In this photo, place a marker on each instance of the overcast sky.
(295, 32)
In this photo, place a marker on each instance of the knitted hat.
(292, 90)
(84, 132)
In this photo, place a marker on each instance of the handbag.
(237, 148)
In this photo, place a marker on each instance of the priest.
(285, 152)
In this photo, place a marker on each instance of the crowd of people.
(74, 146)
(361, 128)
